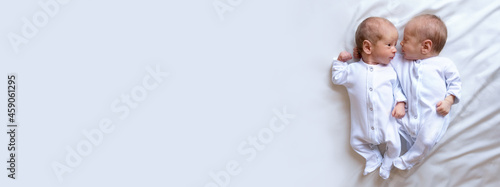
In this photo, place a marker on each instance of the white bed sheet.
(248, 99)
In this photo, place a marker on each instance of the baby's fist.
(356, 53)
(344, 56)
(399, 110)
(443, 107)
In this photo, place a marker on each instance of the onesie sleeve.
(339, 72)
(396, 61)
(397, 91)
(453, 82)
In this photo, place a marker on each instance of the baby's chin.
(407, 57)
(385, 62)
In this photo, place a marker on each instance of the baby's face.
(410, 45)
(385, 49)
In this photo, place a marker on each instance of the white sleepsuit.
(373, 92)
(425, 83)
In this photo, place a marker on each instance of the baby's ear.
(426, 47)
(367, 47)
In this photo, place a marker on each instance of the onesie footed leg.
(372, 165)
(400, 164)
(370, 152)
(384, 172)
(385, 169)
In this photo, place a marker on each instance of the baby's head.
(376, 40)
(424, 36)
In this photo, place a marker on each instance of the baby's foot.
(372, 165)
(400, 164)
(385, 173)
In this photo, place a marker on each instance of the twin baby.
(394, 95)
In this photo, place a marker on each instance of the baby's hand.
(443, 107)
(355, 53)
(399, 110)
(344, 56)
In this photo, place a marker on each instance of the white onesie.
(425, 83)
(373, 92)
